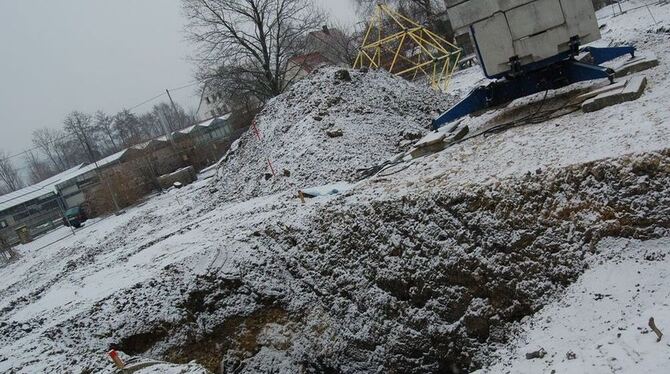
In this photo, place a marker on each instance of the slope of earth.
(423, 269)
(422, 283)
(638, 126)
(326, 128)
(601, 323)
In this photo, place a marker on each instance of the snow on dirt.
(637, 126)
(325, 129)
(601, 323)
(429, 267)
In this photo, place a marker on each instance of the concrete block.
(453, 3)
(469, 12)
(533, 18)
(541, 46)
(502, 5)
(580, 18)
(457, 135)
(505, 5)
(591, 94)
(495, 44)
(633, 89)
(635, 65)
(432, 138)
(533, 29)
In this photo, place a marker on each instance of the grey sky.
(64, 55)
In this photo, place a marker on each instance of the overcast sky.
(62, 55)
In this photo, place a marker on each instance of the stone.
(335, 133)
(343, 75)
(536, 354)
(457, 135)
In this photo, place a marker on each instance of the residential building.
(128, 175)
(324, 47)
(37, 208)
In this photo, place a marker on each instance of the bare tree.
(104, 126)
(9, 175)
(71, 151)
(175, 120)
(346, 44)
(430, 13)
(129, 127)
(80, 126)
(252, 40)
(38, 170)
(47, 141)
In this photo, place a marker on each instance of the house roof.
(310, 61)
(100, 163)
(49, 185)
(203, 124)
(46, 187)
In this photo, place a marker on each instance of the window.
(53, 204)
(18, 217)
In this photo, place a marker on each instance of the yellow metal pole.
(390, 13)
(395, 58)
(442, 55)
(411, 35)
(379, 34)
(388, 38)
(405, 18)
(416, 67)
(358, 59)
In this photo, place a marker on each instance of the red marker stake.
(114, 355)
(258, 136)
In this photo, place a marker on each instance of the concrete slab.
(457, 135)
(438, 141)
(431, 139)
(602, 90)
(636, 65)
(633, 89)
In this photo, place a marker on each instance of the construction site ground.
(549, 237)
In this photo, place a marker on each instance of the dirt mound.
(326, 128)
(428, 282)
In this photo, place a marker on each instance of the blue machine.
(525, 80)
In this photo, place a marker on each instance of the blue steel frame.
(550, 74)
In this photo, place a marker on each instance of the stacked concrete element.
(526, 31)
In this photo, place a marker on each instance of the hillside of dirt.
(423, 283)
(328, 127)
(550, 236)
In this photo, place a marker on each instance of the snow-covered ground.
(601, 323)
(637, 126)
(271, 284)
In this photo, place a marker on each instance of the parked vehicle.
(75, 217)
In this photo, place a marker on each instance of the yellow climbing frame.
(409, 52)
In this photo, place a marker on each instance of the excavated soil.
(425, 283)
